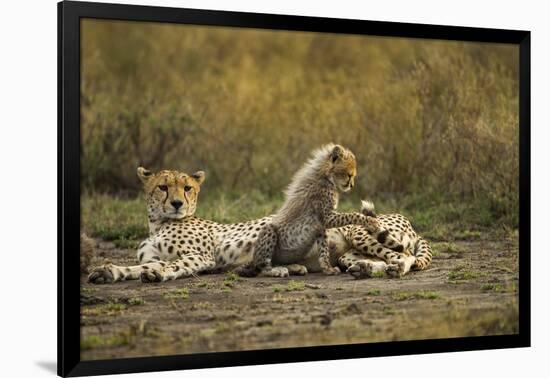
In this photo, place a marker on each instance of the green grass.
(443, 218)
(463, 275)
(95, 341)
(121, 220)
(231, 279)
(88, 290)
(292, 285)
(230, 207)
(378, 275)
(492, 287)
(438, 248)
(182, 293)
(136, 301)
(403, 296)
(124, 222)
(108, 309)
(374, 292)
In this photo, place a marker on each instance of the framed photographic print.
(239, 188)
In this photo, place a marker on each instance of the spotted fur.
(308, 211)
(361, 255)
(183, 245)
(180, 244)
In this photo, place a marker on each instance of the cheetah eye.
(187, 188)
(164, 188)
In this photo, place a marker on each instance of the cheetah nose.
(177, 204)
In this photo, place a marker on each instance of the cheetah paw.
(332, 271)
(278, 271)
(360, 269)
(150, 275)
(297, 270)
(395, 270)
(101, 275)
(245, 271)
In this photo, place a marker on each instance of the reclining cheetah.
(361, 255)
(181, 245)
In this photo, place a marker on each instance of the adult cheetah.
(180, 244)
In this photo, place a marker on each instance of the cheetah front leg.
(360, 267)
(324, 256)
(263, 255)
(398, 264)
(147, 254)
(365, 244)
(296, 269)
(110, 273)
(185, 266)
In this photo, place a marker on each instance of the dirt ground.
(470, 289)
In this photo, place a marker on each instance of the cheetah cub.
(308, 211)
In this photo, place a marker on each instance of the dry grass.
(427, 118)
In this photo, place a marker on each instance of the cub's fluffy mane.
(310, 182)
(311, 173)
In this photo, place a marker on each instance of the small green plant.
(108, 309)
(230, 279)
(377, 275)
(462, 275)
(88, 290)
(292, 285)
(403, 296)
(95, 341)
(468, 235)
(447, 248)
(136, 301)
(492, 287)
(295, 285)
(182, 293)
(373, 292)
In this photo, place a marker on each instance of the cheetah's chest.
(179, 239)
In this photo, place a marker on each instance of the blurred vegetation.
(434, 124)
(124, 222)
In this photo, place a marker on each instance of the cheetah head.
(342, 168)
(170, 194)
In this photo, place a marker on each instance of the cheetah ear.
(144, 174)
(337, 153)
(198, 176)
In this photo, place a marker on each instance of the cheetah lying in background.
(181, 245)
(361, 255)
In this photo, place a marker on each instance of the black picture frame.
(69, 15)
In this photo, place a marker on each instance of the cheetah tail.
(423, 254)
(367, 208)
